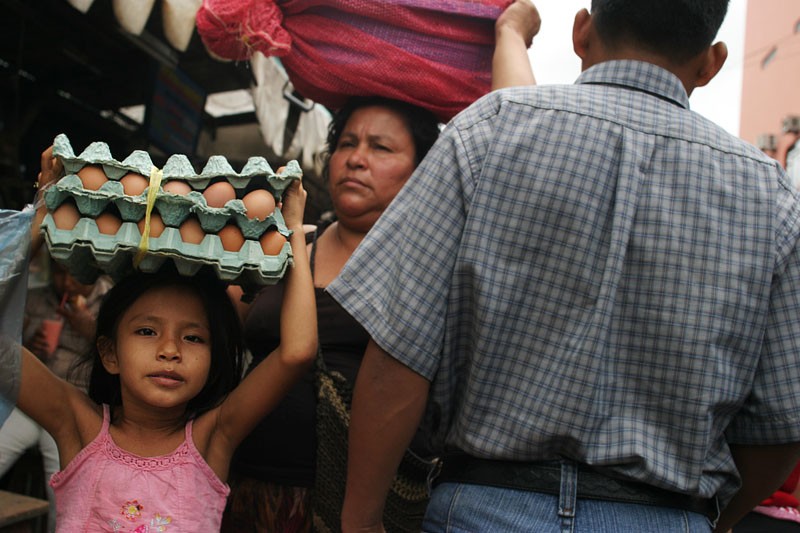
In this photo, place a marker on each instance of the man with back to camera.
(595, 291)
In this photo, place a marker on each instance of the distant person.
(779, 513)
(788, 154)
(77, 315)
(594, 291)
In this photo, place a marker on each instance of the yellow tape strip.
(144, 243)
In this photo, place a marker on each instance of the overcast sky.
(555, 62)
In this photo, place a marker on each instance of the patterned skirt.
(258, 507)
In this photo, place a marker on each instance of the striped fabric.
(435, 54)
(593, 272)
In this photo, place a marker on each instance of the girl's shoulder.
(203, 428)
(212, 445)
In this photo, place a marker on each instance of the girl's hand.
(52, 169)
(293, 206)
(38, 345)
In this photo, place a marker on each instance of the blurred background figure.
(787, 151)
(59, 328)
(777, 514)
(784, 147)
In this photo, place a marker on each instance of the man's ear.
(108, 355)
(713, 59)
(581, 28)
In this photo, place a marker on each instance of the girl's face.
(373, 159)
(162, 352)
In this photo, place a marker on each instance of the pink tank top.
(105, 488)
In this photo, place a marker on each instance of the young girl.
(149, 448)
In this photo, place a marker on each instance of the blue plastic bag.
(15, 240)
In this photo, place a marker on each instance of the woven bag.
(408, 496)
(436, 54)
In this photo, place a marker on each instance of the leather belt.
(545, 477)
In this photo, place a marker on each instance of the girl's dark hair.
(422, 124)
(226, 336)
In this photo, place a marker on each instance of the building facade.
(770, 113)
(771, 74)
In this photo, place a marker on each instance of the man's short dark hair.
(675, 29)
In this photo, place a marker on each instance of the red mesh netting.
(436, 54)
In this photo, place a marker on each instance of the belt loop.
(433, 473)
(567, 497)
(715, 510)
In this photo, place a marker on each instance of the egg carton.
(257, 171)
(174, 209)
(87, 253)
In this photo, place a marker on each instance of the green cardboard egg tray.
(86, 252)
(173, 208)
(177, 167)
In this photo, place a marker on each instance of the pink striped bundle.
(433, 53)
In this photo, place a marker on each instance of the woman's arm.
(268, 383)
(514, 32)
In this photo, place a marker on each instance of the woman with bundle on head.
(374, 146)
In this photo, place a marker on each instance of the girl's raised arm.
(56, 405)
(268, 383)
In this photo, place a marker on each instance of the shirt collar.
(640, 76)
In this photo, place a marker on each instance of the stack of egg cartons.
(227, 220)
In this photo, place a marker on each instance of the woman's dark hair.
(422, 124)
(675, 29)
(226, 337)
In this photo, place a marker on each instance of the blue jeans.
(465, 508)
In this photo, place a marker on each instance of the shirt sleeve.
(771, 413)
(397, 282)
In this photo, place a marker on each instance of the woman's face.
(373, 159)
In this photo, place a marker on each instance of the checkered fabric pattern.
(595, 272)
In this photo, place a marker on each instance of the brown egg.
(156, 225)
(66, 216)
(259, 204)
(108, 223)
(220, 193)
(231, 237)
(177, 187)
(92, 177)
(133, 183)
(191, 231)
(272, 242)
(280, 169)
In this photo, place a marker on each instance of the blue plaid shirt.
(593, 272)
